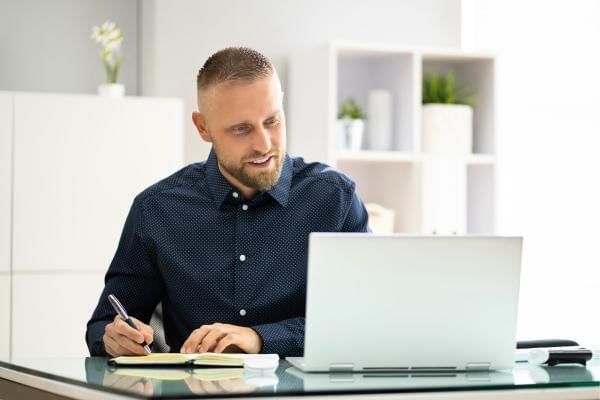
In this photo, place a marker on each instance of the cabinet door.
(50, 312)
(4, 316)
(6, 112)
(79, 162)
(444, 196)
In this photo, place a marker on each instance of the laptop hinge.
(341, 367)
(478, 366)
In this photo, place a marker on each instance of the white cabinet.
(430, 193)
(50, 312)
(6, 133)
(79, 162)
(4, 315)
(72, 165)
(444, 192)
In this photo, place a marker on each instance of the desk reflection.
(179, 381)
(398, 380)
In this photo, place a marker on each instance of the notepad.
(197, 359)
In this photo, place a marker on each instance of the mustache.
(259, 156)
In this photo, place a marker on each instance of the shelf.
(481, 159)
(373, 49)
(378, 156)
(428, 191)
(372, 156)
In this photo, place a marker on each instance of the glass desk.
(91, 377)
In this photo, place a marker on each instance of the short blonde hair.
(233, 64)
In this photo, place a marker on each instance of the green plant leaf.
(350, 109)
(442, 89)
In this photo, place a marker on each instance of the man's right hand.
(122, 340)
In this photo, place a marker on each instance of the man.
(223, 243)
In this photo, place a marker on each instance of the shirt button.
(242, 258)
(245, 207)
(242, 312)
(235, 195)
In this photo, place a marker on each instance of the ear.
(200, 124)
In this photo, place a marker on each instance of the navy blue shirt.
(193, 242)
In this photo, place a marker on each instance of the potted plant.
(447, 115)
(110, 37)
(352, 121)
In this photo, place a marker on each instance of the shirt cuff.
(94, 335)
(279, 338)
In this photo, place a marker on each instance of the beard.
(259, 179)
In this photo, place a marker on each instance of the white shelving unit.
(430, 193)
(71, 166)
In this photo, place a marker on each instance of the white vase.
(351, 134)
(111, 90)
(379, 132)
(447, 128)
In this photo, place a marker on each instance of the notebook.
(193, 360)
(410, 303)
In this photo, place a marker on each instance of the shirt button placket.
(243, 245)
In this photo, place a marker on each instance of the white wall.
(549, 169)
(178, 35)
(45, 46)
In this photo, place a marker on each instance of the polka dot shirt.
(194, 243)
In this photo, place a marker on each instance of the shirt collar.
(220, 188)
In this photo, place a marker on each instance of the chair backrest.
(156, 322)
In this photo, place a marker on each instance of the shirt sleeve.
(356, 219)
(132, 277)
(285, 338)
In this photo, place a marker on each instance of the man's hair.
(233, 64)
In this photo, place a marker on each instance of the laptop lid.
(416, 303)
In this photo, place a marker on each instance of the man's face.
(245, 123)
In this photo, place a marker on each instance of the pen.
(123, 314)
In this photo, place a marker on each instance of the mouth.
(262, 162)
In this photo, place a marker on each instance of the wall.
(549, 91)
(45, 46)
(179, 35)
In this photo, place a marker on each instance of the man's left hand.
(218, 337)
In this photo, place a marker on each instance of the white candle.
(379, 119)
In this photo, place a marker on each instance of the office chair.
(156, 322)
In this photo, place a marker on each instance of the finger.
(112, 347)
(132, 347)
(138, 387)
(210, 340)
(122, 328)
(129, 382)
(149, 388)
(122, 345)
(226, 341)
(194, 385)
(192, 342)
(210, 387)
(146, 330)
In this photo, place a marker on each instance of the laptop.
(410, 303)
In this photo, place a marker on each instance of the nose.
(262, 140)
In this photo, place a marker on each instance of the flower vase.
(351, 131)
(111, 90)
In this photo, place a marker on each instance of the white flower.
(110, 38)
(108, 35)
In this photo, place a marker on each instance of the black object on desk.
(530, 344)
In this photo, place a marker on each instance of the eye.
(240, 129)
(272, 122)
